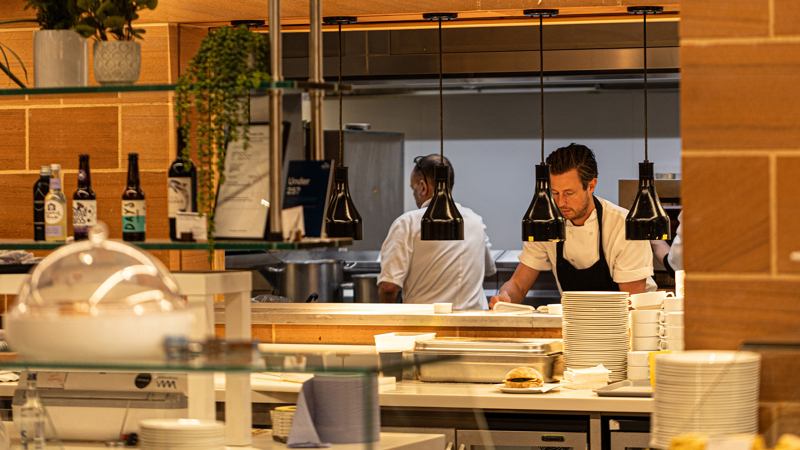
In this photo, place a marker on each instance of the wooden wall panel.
(727, 218)
(146, 130)
(787, 212)
(13, 147)
(724, 18)
(17, 221)
(735, 96)
(787, 17)
(59, 135)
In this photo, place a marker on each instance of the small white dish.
(540, 390)
(442, 308)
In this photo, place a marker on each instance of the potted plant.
(117, 57)
(214, 91)
(60, 56)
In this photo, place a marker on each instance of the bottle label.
(84, 215)
(53, 212)
(180, 195)
(53, 231)
(55, 183)
(81, 175)
(133, 216)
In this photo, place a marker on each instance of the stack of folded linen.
(591, 378)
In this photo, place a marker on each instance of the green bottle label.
(133, 216)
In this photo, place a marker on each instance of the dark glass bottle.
(40, 190)
(84, 202)
(133, 206)
(181, 188)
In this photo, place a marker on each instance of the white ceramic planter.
(60, 58)
(117, 62)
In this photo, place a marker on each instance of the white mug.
(644, 329)
(675, 345)
(670, 332)
(671, 318)
(641, 359)
(645, 316)
(673, 304)
(680, 277)
(638, 373)
(649, 343)
(555, 309)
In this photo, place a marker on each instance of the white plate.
(540, 390)
(709, 358)
(181, 424)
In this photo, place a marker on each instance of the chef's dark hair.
(574, 156)
(426, 165)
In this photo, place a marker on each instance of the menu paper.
(243, 199)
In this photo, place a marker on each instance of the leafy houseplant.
(216, 87)
(55, 19)
(117, 60)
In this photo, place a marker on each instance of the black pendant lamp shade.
(647, 219)
(342, 219)
(442, 221)
(543, 220)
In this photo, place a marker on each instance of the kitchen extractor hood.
(595, 56)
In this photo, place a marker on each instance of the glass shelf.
(266, 85)
(166, 244)
(199, 366)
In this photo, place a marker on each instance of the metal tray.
(627, 388)
(494, 346)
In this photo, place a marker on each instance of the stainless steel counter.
(387, 315)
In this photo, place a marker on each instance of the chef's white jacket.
(438, 271)
(675, 257)
(628, 261)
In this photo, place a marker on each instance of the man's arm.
(388, 292)
(634, 287)
(660, 249)
(514, 290)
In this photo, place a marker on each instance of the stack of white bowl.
(707, 392)
(638, 366)
(595, 331)
(174, 434)
(653, 329)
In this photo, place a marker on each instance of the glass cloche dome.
(97, 300)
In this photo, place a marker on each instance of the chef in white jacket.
(434, 271)
(595, 255)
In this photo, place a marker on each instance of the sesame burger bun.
(524, 377)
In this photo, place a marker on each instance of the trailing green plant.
(102, 19)
(216, 87)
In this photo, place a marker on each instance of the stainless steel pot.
(365, 288)
(309, 281)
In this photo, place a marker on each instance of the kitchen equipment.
(487, 360)
(627, 388)
(365, 288)
(301, 280)
(97, 300)
(94, 406)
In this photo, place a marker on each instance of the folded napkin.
(332, 409)
(592, 374)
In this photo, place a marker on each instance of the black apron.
(595, 278)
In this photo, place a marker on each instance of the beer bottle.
(84, 202)
(133, 206)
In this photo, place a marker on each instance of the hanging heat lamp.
(647, 219)
(543, 221)
(442, 221)
(342, 219)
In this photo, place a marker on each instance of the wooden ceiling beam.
(374, 13)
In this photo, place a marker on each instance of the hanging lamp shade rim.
(339, 20)
(443, 16)
(640, 10)
(545, 13)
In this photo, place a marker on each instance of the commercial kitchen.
(722, 127)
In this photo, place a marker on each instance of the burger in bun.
(524, 377)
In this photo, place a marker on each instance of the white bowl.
(95, 339)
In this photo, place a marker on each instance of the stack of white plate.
(169, 434)
(709, 392)
(595, 331)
